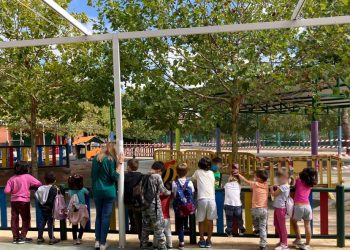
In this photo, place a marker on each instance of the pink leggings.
(280, 224)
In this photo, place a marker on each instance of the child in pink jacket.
(19, 187)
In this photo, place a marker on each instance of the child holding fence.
(19, 187)
(204, 179)
(46, 195)
(182, 189)
(233, 204)
(260, 190)
(302, 208)
(78, 213)
(280, 193)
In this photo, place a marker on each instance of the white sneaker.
(304, 247)
(282, 247)
(297, 243)
(97, 245)
(104, 247)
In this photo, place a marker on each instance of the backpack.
(290, 206)
(59, 208)
(143, 194)
(183, 202)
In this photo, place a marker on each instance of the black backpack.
(143, 194)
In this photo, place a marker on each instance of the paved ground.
(132, 243)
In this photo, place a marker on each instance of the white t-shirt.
(182, 182)
(233, 194)
(205, 184)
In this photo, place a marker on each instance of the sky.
(81, 6)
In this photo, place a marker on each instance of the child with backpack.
(260, 190)
(182, 189)
(204, 179)
(46, 195)
(78, 213)
(302, 208)
(19, 187)
(233, 203)
(151, 187)
(280, 194)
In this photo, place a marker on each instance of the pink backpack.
(59, 208)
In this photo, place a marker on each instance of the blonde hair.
(110, 151)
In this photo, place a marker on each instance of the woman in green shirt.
(104, 174)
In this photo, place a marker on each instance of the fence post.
(67, 155)
(340, 216)
(3, 206)
(193, 236)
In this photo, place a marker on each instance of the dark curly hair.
(76, 182)
(21, 167)
(309, 176)
(204, 163)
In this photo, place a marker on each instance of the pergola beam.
(337, 20)
(67, 16)
(298, 9)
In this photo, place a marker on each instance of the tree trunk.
(346, 127)
(33, 134)
(235, 105)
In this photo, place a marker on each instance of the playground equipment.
(48, 156)
(329, 167)
(87, 147)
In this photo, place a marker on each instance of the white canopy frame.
(116, 37)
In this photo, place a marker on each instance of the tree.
(39, 82)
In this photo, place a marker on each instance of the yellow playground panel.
(329, 167)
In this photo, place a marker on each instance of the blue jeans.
(103, 217)
(180, 224)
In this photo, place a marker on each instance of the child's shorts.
(302, 212)
(206, 209)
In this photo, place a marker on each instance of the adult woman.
(104, 175)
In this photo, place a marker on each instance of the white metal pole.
(119, 138)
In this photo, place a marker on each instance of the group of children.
(156, 216)
(20, 186)
(204, 181)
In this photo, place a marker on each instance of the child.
(153, 214)
(76, 187)
(302, 209)
(206, 207)
(165, 203)
(46, 195)
(281, 194)
(131, 179)
(184, 183)
(19, 187)
(216, 164)
(233, 204)
(260, 190)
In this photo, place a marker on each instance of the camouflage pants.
(153, 221)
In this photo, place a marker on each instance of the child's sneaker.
(202, 244)
(27, 240)
(104, 247)
(241, 232)
(208, 244)
(181, 245)
(304, 247)
(262, 248)
(228, 233)
(20, 241)
(40, 240)
(97, 245)
(282, 247)
(53, 241)
(297, 243)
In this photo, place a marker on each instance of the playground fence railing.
(328, 222)
(47, 155)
